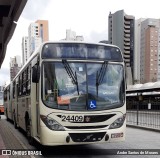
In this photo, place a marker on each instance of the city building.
(71, 36)
(149, 52)
(79, 38)
(121, 33)
(1, 88)
(137, 50)
(25, 50)
(37, 33)
(158, 55)
(15, 66)
(104, 41)
(43, 29)
(33, 37)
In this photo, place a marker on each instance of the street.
(135, 139)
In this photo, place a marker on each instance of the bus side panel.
(22, 108)
(9, 108)
(33, 110)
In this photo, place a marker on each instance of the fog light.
(106, 137)
(68, 139)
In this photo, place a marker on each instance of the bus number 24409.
(72, 118)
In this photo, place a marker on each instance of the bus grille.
(87, 137)
(86, 127)
(97, 118)
(94, 118)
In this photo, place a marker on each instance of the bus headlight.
(118, 123)
(52, 124)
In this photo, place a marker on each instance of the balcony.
(127, 61)
(127, 22)
(127, 31)
(127, 27)
(126, 48)
(126, 56)
(126, 43)
(126, 52)
(127, 35)
(126, 39)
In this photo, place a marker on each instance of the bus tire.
(28, 132)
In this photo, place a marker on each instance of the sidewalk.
(8, 140)
(2, 146)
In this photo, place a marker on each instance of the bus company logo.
(6, 152)
(87, 119)
(88, 137)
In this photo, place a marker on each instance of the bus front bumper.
(52, 138)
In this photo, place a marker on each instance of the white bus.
(71, 93)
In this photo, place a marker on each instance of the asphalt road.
(135, 139)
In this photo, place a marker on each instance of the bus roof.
(81, 42)
(59, 42)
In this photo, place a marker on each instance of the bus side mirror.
(35, 74)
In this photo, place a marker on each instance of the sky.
(88, 18)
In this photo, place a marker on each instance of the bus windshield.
(82, 86)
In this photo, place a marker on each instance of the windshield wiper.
(71, 74)
(100, 75)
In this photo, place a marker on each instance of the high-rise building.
(37, 33)
(121, 33)
(71, 36)
(15, 66)
(33, 37)
(25, 50)
(137, 50)
(43, 29)
(1, 88)
(158, 55)
(149, 52)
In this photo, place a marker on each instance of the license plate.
(72, 118)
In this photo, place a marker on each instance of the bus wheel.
(28, 132)
(14, 119)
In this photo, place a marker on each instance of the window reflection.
(81, 51)
(60, 92)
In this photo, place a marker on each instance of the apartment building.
(121, 33)
(149, 50)
(37, 34)
(15, 66)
